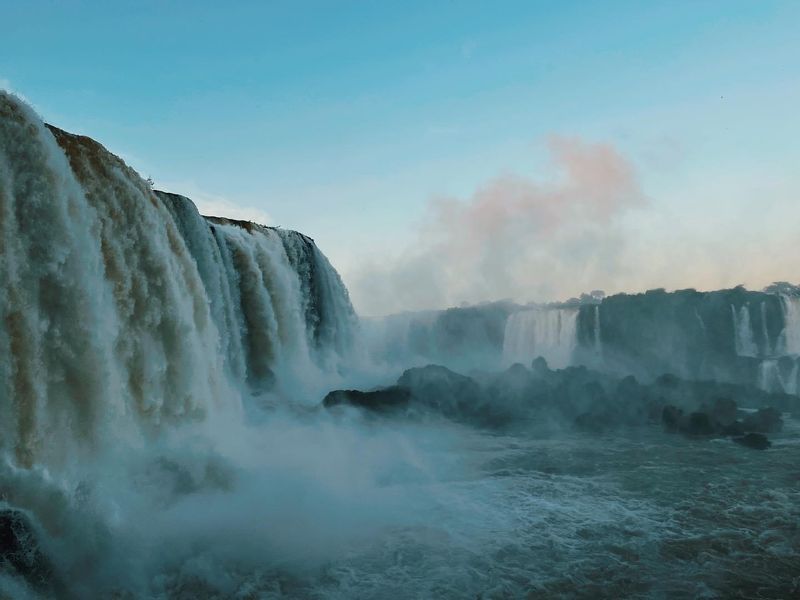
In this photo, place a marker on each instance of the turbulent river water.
(586, 517)
(313, 506)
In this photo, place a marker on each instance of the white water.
(743, 332)
(123, 312)
(767, 349)
(789, 341)
(771, 376)
(771, 379)
(547, 332)
(598, 344)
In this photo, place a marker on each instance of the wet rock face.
(672, 417)
(19, 549)
(383, 400)
(723, 411)
(757, 441)
(693, 334)
(694, 424)
(699, 423)
(719, 420)
(576, 397)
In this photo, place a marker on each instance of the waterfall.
(789, 341)
(598, 345)
(550, 333)
(744, 338)
(771, 379)
(123, 311)
(767, 347)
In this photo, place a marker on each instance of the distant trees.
(783, 287)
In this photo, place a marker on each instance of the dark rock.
(672, 417)
(734, 429)
(668, 380)
(539, 366)
(766, 420)
(443, 390)
(723, 411)
(698, 423)
(600, 421)
(386, 399)
(19, 549)
(756, 441)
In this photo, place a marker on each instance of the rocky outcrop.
(576, 397)
(19, 550)
(389, 399)
(756, 441)
(721, 420)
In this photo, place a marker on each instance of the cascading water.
(123, 311)
(598, 344)
(550, 333)
(790, 336)
(767, 349)
(772, 378)
(744, 338)
(782, 375)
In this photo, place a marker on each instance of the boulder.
(19, 549)
(386, 399)
(539, 366)
(672, 417)
(698, 423)
(766, 420)
(443, 390)
(723, 411)
(757, 441)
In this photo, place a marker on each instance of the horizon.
(529, 159)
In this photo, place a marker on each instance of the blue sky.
(349, 120)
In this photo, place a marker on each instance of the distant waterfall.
(551, 333)
(767, 346)
(744, 338)
(772, 379)
(790, 336)
(598, 345)
(123, 311)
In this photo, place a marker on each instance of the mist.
(585, 222)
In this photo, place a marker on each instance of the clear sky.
(441, 152)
